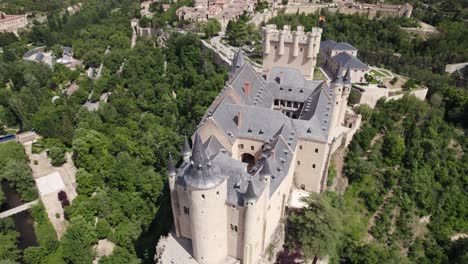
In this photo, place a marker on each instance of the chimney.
(273, 153)
(247, 88)
(239, 119)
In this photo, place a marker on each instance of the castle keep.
(260, 138)
(292, 49)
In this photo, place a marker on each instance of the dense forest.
(159, 95)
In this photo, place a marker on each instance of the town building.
(335, 54)
(373, 10)
(41, 55)
(262, 137)
(222, 10)
(11, 23)
(291, 49)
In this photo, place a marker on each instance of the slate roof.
(201, 174)
(350, 61)
(330, 44)
(240, 113)
(344, 46)
(326, 44)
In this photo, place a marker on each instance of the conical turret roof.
(347, 77)
(238, 61)
(201, 174)
(339, 75)
(171, 170)
(250, 194)
(186, 149)
(266, 171)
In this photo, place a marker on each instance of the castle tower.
(344, 95)
(172, 174)
(250, 223)
(186, 151)
(296, 49)
(207, 194)
(337, 86)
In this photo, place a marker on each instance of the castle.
(341, 53)
(262, 137)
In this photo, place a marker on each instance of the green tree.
(19, 177)
(261, 6)
(86, 183)
(57, 156)
(211, 27)
(9, 237)
(393, 148)
(77, 241)
(34, 255)
(365, 111)
(318, 228)
(120, 255)
(103, 229)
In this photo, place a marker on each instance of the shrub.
(103, 229)
(57, 156)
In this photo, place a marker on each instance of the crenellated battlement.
(291, 47)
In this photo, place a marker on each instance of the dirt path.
(377, 213)
(376, 138)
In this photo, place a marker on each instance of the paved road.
(18, 209)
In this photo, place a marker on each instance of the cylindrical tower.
(337, 87)
(318, 37)
(345, 94)
(207, 194)
(250, 224)
(172, 174)
(209, 224)
(310, 45)
(266, 40)
(296, 36)
(282, 36)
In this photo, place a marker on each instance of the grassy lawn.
(318, 75)
(385, 72)
(378, 73)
